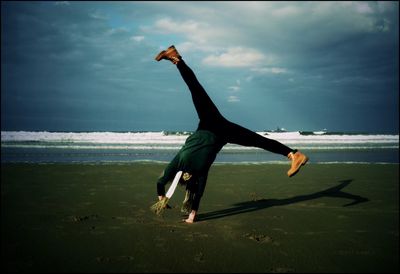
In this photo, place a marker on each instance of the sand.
(253, 218)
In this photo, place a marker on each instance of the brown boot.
(170, 54)
(298, 160)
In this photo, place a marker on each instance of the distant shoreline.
(186, 132)
(141, 162)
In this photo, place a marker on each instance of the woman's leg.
(206, 110)
(236, 134)
(239, 135)
(208, 113)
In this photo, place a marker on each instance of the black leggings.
(212, 120)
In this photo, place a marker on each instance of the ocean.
(126, 147)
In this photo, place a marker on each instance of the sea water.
(125, 147)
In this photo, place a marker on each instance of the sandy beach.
(340, 218)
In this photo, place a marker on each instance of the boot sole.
(305, 160)
(164, 53)
(160, 55)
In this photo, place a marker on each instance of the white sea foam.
(297, 138)
(99, 147)
(94, 137)
(164, 141)
(226, 148)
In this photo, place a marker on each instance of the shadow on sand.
(250, 206)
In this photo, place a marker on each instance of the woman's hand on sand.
(166, 205)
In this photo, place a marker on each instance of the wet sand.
(253, 218)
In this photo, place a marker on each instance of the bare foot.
(189, 221)
(191, 217)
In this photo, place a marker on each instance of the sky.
(89, 66)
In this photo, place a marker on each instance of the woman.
(201, 148)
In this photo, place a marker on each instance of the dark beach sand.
(96, 218)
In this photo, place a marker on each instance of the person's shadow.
(250, 206)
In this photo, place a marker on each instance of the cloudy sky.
(84, 66)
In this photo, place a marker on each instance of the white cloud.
(197, 35)
(167, 24)
(210, 25)
(137, 38)
(273, 70)
(195, 31)
(188, 46)
(233, 99)
(234, 88)
(270, 37)
(98, 15)
(362, 7)
(236, 57)
(114, 31)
